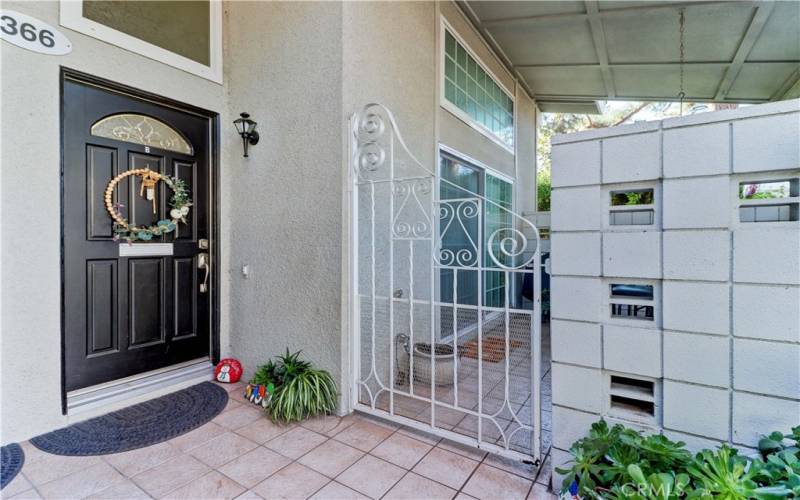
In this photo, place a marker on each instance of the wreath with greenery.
(179, 206)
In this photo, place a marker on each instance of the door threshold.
(156, 381)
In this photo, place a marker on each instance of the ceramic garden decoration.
(228, 371)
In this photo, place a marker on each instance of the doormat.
(494, 348)
(11, 460)
(139, 425)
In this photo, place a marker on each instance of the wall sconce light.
(247, 129)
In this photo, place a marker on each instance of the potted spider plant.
(295, 389)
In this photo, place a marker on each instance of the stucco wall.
(30, 358)
(284, 67)
(389, 57)
(300, 69)
(724, 345)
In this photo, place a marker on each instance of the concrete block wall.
(723, 345)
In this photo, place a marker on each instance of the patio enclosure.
(676, 278)
(446, 330)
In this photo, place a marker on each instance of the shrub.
(543, 190)
(621, 463)
(301, 391)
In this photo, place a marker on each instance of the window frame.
(71, 17)
(441, 151)
(444, 27)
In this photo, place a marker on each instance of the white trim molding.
(71, 16)
(147, 385)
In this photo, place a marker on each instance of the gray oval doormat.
(11, 460)
(139, 425)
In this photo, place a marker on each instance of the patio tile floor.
(328, 458)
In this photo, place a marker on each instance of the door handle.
(204, 262)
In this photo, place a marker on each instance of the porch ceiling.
(576, 51)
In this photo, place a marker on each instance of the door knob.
(204, 262)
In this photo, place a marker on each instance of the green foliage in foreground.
(301, 391)
(620, 463)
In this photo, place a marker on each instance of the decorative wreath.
(179, 204)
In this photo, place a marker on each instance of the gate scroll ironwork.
(430, 351)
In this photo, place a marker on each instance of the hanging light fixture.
(247, 129)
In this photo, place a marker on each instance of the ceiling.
(569, 54)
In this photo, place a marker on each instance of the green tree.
(552, 124)
(616, 113)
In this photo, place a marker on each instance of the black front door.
(139, 308)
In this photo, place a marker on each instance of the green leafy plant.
(657, 449)
(777, 441)
(543, 189)
(621, 463)
(726, 475)
(265, 374)
(301, 391)
(656, 486)
(589, 468)
(632, 198)
(180, 192)
(310, 393)
(763, 191)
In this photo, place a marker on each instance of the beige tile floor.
(241, 454)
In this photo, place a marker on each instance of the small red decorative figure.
(228, 370)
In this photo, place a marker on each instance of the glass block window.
(471, 89)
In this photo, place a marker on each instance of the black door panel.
(128, 315)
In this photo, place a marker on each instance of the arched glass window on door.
(142, 129)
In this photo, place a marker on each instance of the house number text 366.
(30, 33)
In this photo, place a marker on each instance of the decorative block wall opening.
(696, 283)
(626, 290)
(634, 207)
(632, 398)
(769, 201)
(629, 405)
(632, 301)
(632, 311)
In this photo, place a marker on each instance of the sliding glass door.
(459, 226)
(499, 195)
(463, 181)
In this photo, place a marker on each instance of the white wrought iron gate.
(445, 300)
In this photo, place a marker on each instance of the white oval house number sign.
(30, 33)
